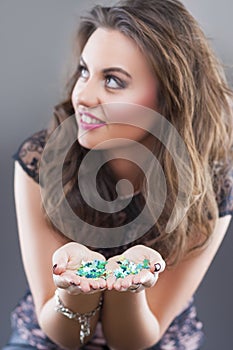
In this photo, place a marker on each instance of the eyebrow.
(111, 69)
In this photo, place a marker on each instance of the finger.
(110, 281)
(150, 281)
(127, 281)
(140, 277)
(94, 284)
(85, 285)
(74, 290)
(145, 277)
(121, 289)
(102, 283)
(153, 256)
(118, 284)
(157, 266)
(99, 283)
(135, 288)
(61, 282)
(60, 261)
(65, 279)
(70, 274)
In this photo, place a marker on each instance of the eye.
(83, 71)
(113, 82)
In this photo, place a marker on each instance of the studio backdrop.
(35, 45)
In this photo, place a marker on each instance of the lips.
(89, 122)
(89, 118)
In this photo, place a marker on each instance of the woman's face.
(115, 80)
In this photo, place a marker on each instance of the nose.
(86, 94)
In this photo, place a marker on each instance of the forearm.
(128, 322)
(61, 329)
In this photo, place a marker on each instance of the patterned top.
(184, 333)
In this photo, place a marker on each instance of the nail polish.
(157, 267)
(73, 283)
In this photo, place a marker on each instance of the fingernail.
(157, 267)
(73, 283)
(54, 267)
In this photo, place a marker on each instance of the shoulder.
(29, 153)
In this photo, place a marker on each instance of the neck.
(125, 169)
(127, 163)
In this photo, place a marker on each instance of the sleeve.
(29, 153)
(224, 195)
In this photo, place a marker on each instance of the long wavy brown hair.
(193, 95)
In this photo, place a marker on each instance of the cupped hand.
(66, 261)
(146, 278)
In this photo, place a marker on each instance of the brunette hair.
(193, 95)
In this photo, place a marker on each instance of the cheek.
(137, 112)
(147, 97)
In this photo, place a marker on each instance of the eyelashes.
(120, 83)
(111, 81)
(80, 69)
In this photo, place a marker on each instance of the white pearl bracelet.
(83, 319)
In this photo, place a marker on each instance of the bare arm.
(140, 320)
(132, 321)
(38, 244)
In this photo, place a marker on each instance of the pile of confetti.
(92, 269)
(96, 268)
(130, 268)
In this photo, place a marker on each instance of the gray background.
(35, 42)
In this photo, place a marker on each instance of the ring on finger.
(135, 287)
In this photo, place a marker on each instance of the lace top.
(184, 333)
(30, 151)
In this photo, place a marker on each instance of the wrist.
(83, 318)
(124, 297)
(80, 303)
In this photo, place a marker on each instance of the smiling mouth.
(88, 118)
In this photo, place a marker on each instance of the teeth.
(89, 120)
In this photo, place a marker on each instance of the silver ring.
(134, 287)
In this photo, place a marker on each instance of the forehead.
(107, 47)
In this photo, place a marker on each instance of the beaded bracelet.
(83, 319)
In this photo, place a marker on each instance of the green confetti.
(130, 268)
(97, 268)
(92, 269)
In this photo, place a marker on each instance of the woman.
(148, 65)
